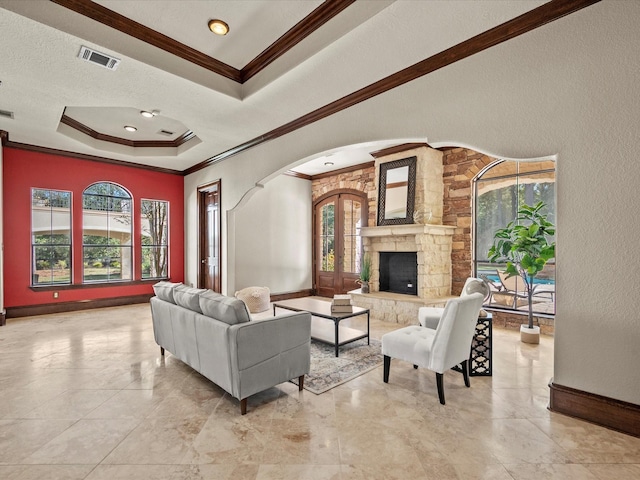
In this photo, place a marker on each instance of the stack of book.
(341, 304)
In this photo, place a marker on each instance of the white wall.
(568, 88)
(273, 237)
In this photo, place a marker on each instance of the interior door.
(209, 275)
(338, 245)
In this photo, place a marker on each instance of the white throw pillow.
(257, 299)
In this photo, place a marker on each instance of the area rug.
(328, 372)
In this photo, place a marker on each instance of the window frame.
(33, 268)
(476, 263)
(166, 244)
(130, 247)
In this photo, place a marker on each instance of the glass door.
(338, 245)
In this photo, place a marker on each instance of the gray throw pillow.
(188, 297)
(226, 309)
(164, 291)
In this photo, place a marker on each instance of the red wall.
(24, 170)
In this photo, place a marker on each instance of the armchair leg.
(243, 406)
(465, 372)
(440, 384)
(300, 383)
(387, 365)
(162, 351)
(415, 367)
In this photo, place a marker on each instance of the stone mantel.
(406, 230)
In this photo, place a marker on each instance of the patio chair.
(513, 290)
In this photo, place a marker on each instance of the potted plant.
(365, 274)
(523, 244)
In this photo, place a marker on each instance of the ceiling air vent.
(6, 114)
(98, 58)
(165, 132)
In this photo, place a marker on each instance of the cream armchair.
(438, 349)
(430, 316)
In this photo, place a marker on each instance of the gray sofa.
(214, 335)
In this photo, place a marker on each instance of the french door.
(338, 218)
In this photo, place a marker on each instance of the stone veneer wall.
(362, 179)
(460, 166)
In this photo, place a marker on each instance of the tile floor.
(86, 395)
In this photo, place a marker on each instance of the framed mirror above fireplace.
(396, 192)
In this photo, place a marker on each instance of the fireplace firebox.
(399, 272)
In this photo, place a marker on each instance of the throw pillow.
(188, 297)
(226, 309)
(257, 299)
(164, 290)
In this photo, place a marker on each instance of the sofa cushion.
(256, 298)
(226, 309)
(188, 297)
(164, 291)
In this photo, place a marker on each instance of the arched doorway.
(337, 251)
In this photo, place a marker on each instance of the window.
(155, 246)
(106, 233)
(499, 191)
(50, 237)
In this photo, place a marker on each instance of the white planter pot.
(529, 335)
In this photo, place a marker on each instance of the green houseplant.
(365, 274)
(524, 246)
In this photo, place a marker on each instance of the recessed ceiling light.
(218, 27)
(328, 164)
(149, 114)
(129, 128)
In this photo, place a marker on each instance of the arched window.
(107, 227)
(499, 191)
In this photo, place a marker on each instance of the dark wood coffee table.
(325, 324)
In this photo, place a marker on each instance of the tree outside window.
(155, 243)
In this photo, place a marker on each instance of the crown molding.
(82, 156)
(542, 15)
(76, 125)
(321, 15)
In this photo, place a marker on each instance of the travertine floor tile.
(88, 395)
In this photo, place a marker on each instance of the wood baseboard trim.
(30, 310)
(604, 411)
(287, 296)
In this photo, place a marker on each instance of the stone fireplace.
(431, 243)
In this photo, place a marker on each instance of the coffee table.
(325, 324)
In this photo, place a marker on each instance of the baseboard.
(287, 296)
(608, 412)
(3, 318)
(61, 307)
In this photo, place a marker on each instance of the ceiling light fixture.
(218, 27)
(149, 114)
(328, 164)
(130, 128)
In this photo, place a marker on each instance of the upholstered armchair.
(438, 349)
(430, 316)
